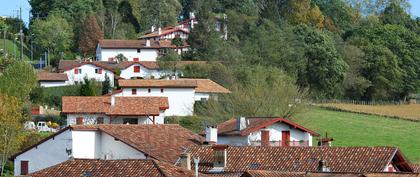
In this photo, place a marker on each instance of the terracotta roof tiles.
(46, 76)
(208, 86)
(164, 83)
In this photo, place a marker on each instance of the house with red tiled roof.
(167, 33)
(77, 71)
(46, 79)
(182, 93)
(136, 50)
(106, 142)
(257, 131)
(224, 160)
(114, 168)
(90, 110)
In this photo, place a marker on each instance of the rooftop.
(164, 31)
(165, 83)
(136, 44)
(46, 76)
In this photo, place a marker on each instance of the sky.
(10, 8)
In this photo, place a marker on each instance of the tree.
(120, 57)
(257, 91)
(169, 62)
(369, 7)
(395, 14)
(17, 79)
(159, 13)
(88, 88)
(303, 12)
(90, 34)
(54, 34)
(11, 131)
(106, 85)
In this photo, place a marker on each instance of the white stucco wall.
(88, 119)
(88, 70)
(200, 96)
(130, 54)
(128, 73)
(91, 119)
(49, 153)
(275, 135)
(115, 149)
(53, 83)
(181, 100)
(84, 144)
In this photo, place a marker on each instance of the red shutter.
(285, 138)
(136, 69)
(76, 71)
(100, 71)
(265, 137)
(134, 91)
(24, 167)
(135, 59)
(79, 121)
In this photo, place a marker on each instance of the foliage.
(159, 13)
(51, 96)
(120, 57)
(257, 91)
(302, 12)
(90, 35)
(88, 88)
(11, 119)
(17, 79)
(169, 62)
(177, 41)
(106, 85)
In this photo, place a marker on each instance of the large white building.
(181, 93)
(252, 131)
(106, 142)
(136, 50)
(84, 110)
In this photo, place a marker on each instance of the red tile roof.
(416, 167)
(164, 31)
(163, 142)
(46, 76)
(208, 86)
(152, 83)
(302, 159)
(65, 65)
(137, 44)
(146, 64)
(114, 168)
(229, 127)
(133, 106)
(264, 173)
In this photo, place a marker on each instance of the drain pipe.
(196, 161)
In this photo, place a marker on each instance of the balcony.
(283, 144)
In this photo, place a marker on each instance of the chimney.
(185, 160)
(147, 43)
(112, 100)
(159, 31)
(322, 166)
(325, 142)
(265, 137)
(211, 134)
(152, 29)
(240, 123)
(219, 156)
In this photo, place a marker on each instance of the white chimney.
(152, 29)
(147, 43)
(159, 31)
(112, 100)
(241, 123)
(185, 160)
(322, 166)
(211, 134)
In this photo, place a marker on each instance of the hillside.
(350, 129)
(10, 49)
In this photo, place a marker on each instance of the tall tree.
(90, 34)
(368, 7)
(303, 12)
(159, 13)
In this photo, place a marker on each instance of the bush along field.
(352, 129)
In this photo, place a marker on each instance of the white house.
(181, 93)
(167, 33)
(106, 142)
(260, 132)
(77, 71)
(46, 79)
(83, 110)
(136, 50)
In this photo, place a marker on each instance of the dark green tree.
(106, 85)
(88, 88)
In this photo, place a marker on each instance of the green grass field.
(350, 129)
(10, 49)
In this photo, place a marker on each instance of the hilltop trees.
(90, 34)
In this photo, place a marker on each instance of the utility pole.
(32, 53)
(21, 34)
(14, 45)
(4, 41)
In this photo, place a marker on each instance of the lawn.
(352, 129)
(405, 111)
(10, 48)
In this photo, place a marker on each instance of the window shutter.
(136, 69)
(100, 71)
(134, 91)
(24, 167)
(76, 71)
(79, 121)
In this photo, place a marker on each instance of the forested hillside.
(347, 49)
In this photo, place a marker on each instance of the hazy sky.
(10, 7)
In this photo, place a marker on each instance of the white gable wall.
(181, 100)
(88, 70)
(84, 144)
(46, 154)
(115, 149)
(53, 83)
(130, 54)
(128, 72)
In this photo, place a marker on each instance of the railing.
(283, 144)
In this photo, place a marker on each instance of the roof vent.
(241, 123)
(322, 166)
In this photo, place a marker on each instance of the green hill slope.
(10, 48)
(349, 129)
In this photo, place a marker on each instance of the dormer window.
(136, 69)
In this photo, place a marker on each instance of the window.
(79, 71)
(130, 121)
(149, 90)
(24, 167)
(138, 50)
(100, 120)
(98, 71)
(135, 59)
(134, 91)
(136, 69)
(161, 90)
(76, 71)
(79, 121)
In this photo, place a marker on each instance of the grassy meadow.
(352, 129)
